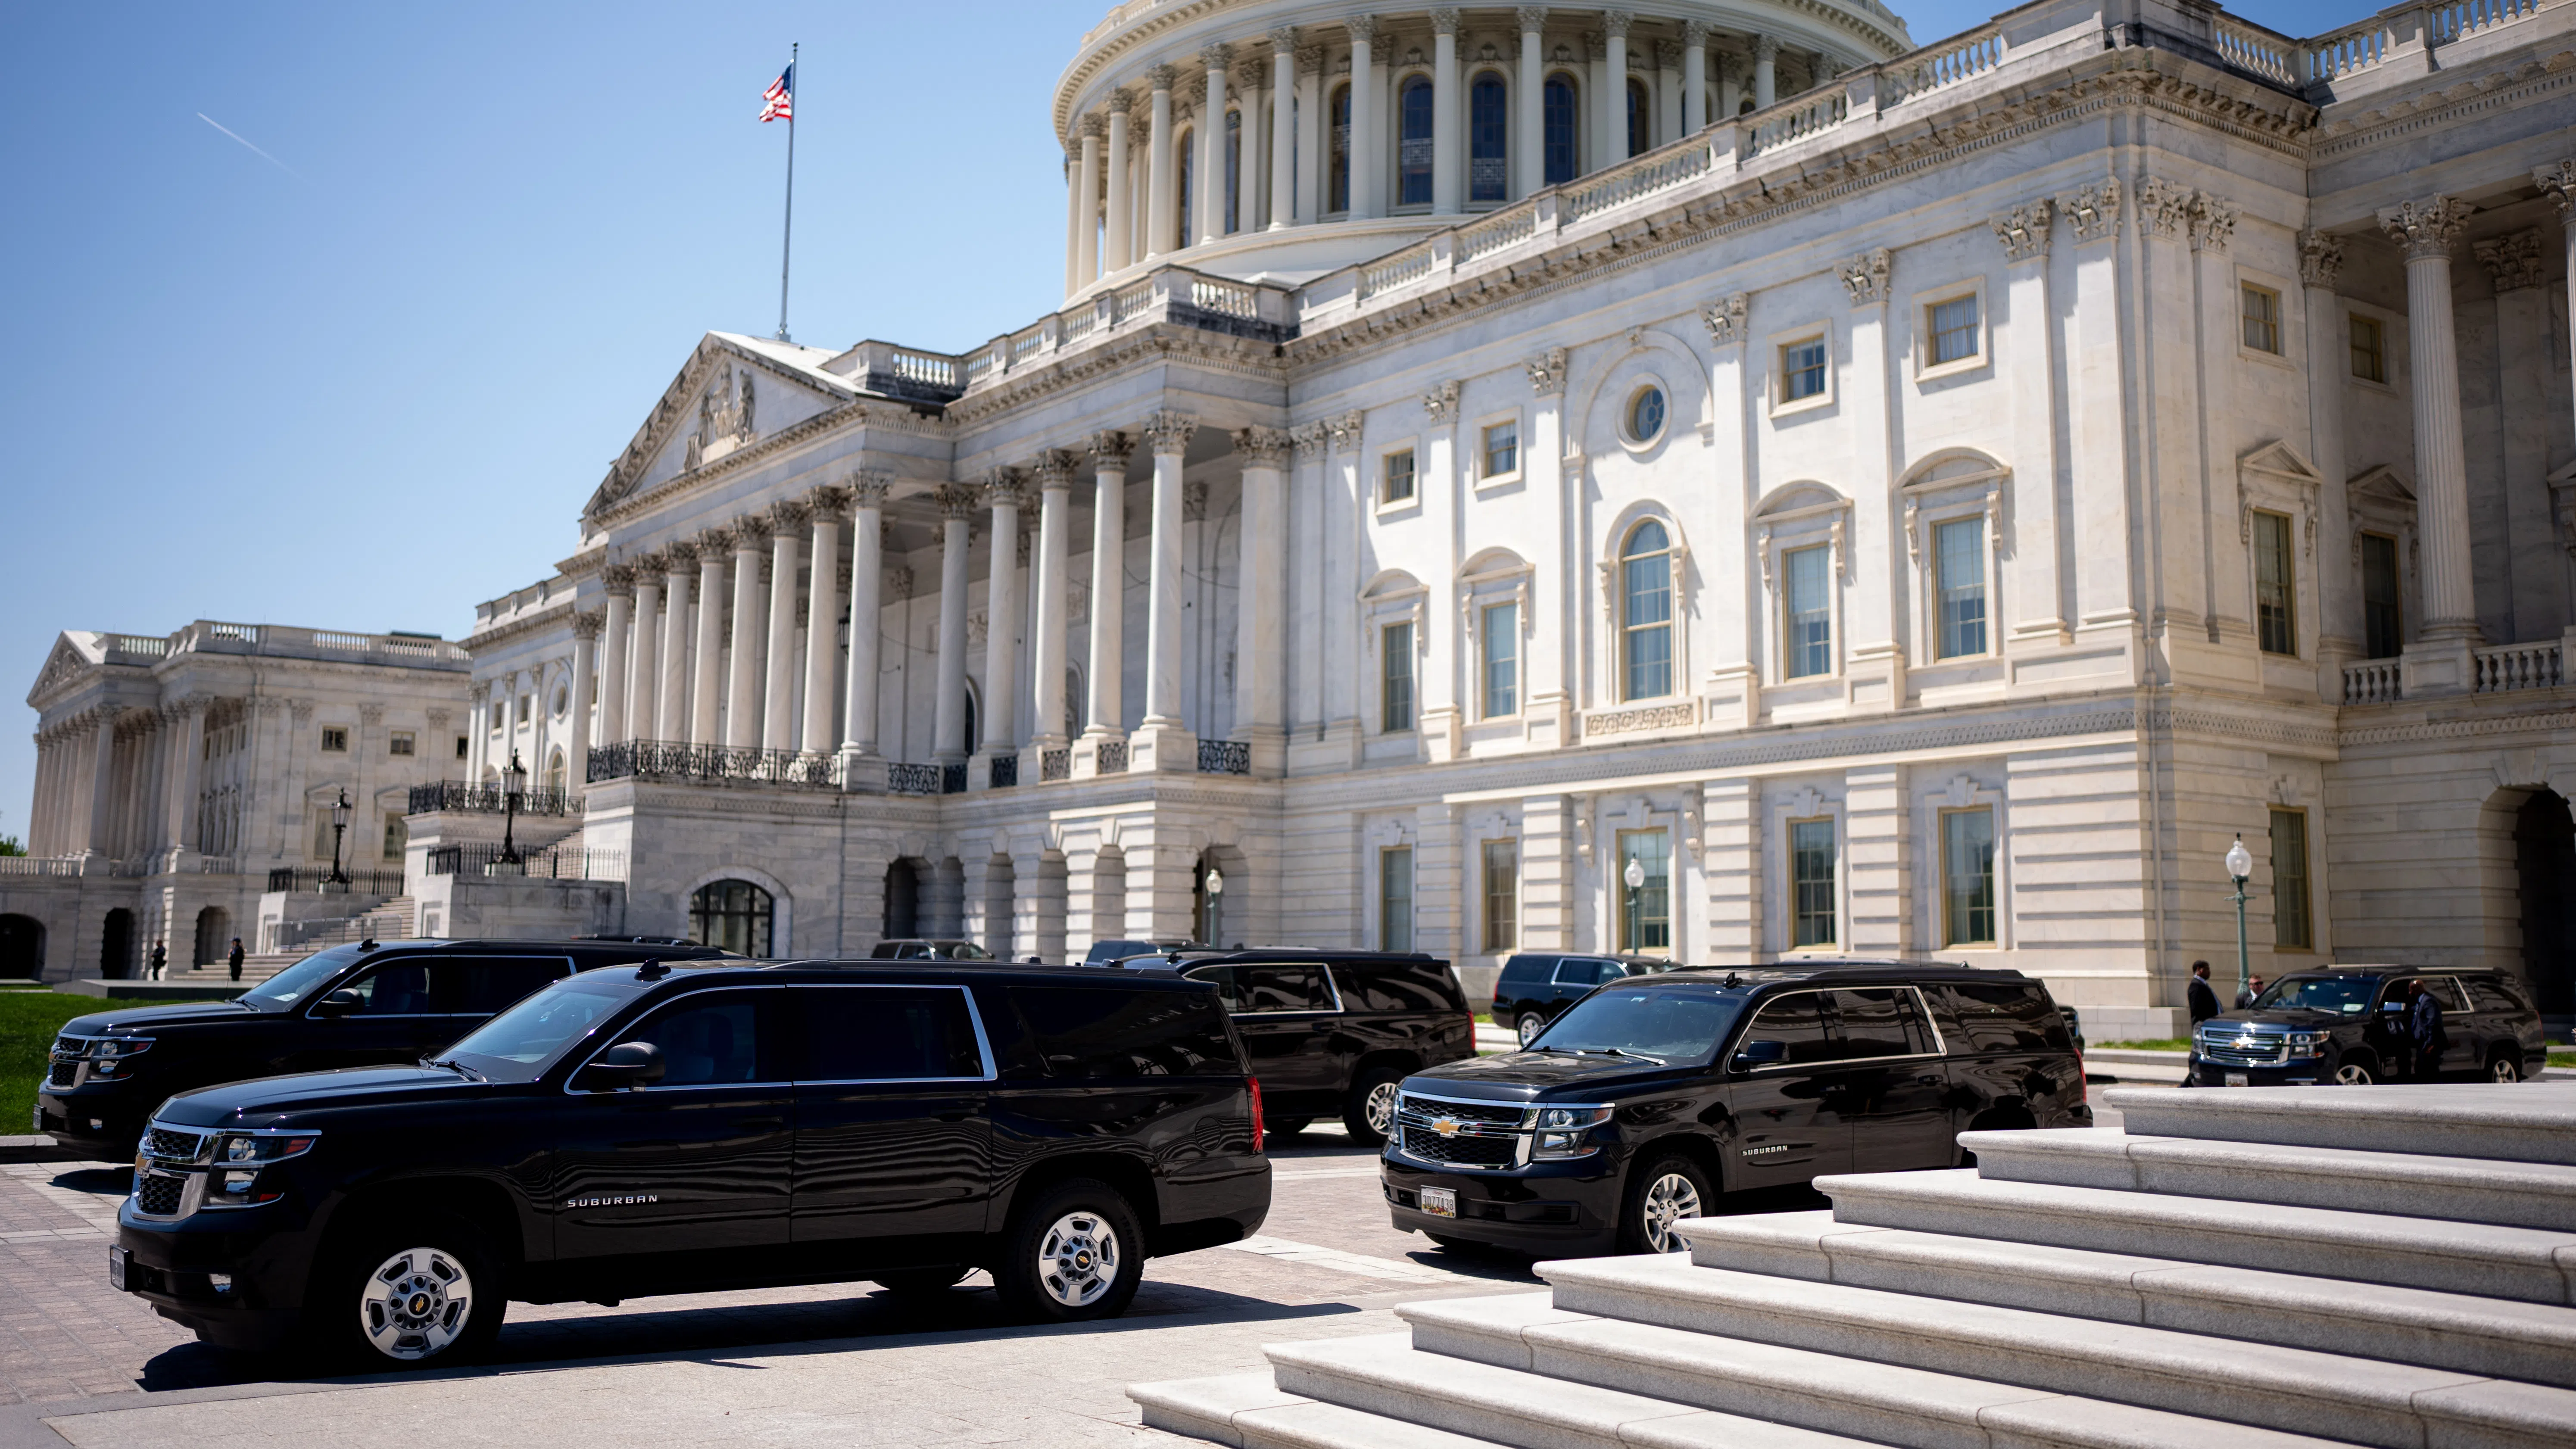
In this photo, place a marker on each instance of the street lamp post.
(513, 781)
(339, 831)
(1631, 924)
(2240, 867)
(1216, 904)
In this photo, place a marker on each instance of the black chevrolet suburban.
(1332, 1032)
(1648, 1098)
(348, 1006)
(718, 1125)
(1536, 988)
(2343, 1024)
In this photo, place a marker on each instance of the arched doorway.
(902, 901)
(116, 944)
(733, 914)
(2544, 854)
(22, 948)
(214, 935)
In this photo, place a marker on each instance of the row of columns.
(117, 782)
(1103, 203)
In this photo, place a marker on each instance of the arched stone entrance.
(902, 900)
(2544, 854)
(22, 948)
(214, 936)
(116, 945)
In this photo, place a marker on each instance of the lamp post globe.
(1215, 905)
(1635, 875)
(2240, 868)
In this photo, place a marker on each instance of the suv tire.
(2504, 1067)
(1529, 1026)
(1662, 1191)
(2357, 1069)
(416, 1293)
(1072, 1253)
(1369, 1114)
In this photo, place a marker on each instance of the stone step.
(2520, 1122)
(1798, 1388)
(2532, 1265)
(1249, 1412)
(2293, 1390)
(1385, 1375)
(2519, 1194)
(2484, 1336)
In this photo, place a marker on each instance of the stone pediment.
(733, 392)
(67, 662)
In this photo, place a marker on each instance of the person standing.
(235, 958)
(2203, 1000)
(160, 960)
(2253, 989)
(2424, 1033)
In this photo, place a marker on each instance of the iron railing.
(466, 797)
(1225, 757)
(1006, 772)
(1055, 764)
(314, 877)
(676, 760)
(551, 863)
(1112, 758)
(906, 779)
(952, 779)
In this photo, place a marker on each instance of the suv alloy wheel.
(412, 1295)
(1369, 1115)
(1664, 1191)
(2504, 1069)
(1075, 1252)
(2356, 1071)
(1529, 1026)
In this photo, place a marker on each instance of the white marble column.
(822, 615)
(707, 681)
(1122, 206)
(1283, 127)
(1086, 190)
(643, 670)
(617, 639)
(671, 712)
(1368, 86)
(1252, 170)
(1448, 168)
(1072, 221)
(1614, 90)
(787, 522)
(1002, 491)
(2430, 232)
(1261, 622)
(1162, 168)
(1694, 77)
(1730, 85)
(1163, 741)
(1107, 710)
(98, 839)
(2339, 631)
(1209, 208)
(750, 634)
(585, 660)
(867, 584)
(1766, 56)
(948, 742)
(1596, 94)
(2558, 183)
(1310, 134)
(1529, 105)
(1053, 585)
(187, 751)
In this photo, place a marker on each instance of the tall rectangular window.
(2383, 627)
(1502, 895)
(1501, 637)
(1802, 370)
(397, 835)
(1959, 574)
(2262, 312)
(1395, 694)
(2275, 613)
(1395, 898)
(1968, 877)
(1810, 645)
(1397, 484)
(1950, 330)
(1646, 909)
(1811, 883)
(1502, 449)
(2291, 924)
(2369, 347)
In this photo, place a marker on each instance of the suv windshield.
(520, 1043)
(2343, 995)
(1666, 1023)
(287, 987)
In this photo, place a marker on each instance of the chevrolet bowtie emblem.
(1445, 1126)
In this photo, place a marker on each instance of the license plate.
(2236, 1079)
(1440, 1202)
(116, 1261)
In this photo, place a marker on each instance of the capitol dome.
(1345, 135)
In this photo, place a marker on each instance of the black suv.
(2343, 1024)
(1536, 989)
(348, 1006)
(1332, 1032)
(1647, 1099)
(724, 1125)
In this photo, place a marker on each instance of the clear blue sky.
(368, 382)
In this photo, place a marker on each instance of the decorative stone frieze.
(1630, 721)
(1724, 318)
(2093, 210)
(1547, 371)
(2428, 228)
(2513, 261)
(1865, 276)
(2024, 230)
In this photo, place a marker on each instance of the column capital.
(1169, 432)
(1547, 371)
(587, 625)
(2428, 228)
(1724, 318)
(1695, 32)
(1111, 449)
(1310, 60)
(680, 555)
(1363, 29)
(2024, 230)
(1216, 55)
(2093, 210)
(1865, 276)
(830, 502)
(2558, 183)
(2320, 259)
(1092, 126)
(1533, 19)
(788, 514)
(1596, 46)
(619, 580)
(2513, 262)
(1766, 48)
(955, 500)
(1263, 447)
(1004, 487)
(1444, 20)
(1310, 439)
(1056, 468)
(1441, 403)
(868, 488)
(1283, 40)
(1668, 55)
(2213, 222)
(1160, 77)
(750, 531)
(713, 543)
(1615, 23)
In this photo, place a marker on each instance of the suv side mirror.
(343, 1002)
(1760, 1054)
(627, 1064)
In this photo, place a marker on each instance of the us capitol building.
(1715, 480)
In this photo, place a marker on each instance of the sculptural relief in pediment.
(726, 417)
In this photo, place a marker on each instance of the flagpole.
(787, 230)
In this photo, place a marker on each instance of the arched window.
(555, 770)
(1558, 116)
(1489, 128)
(1744, 107)
(1641, 118)
(1337, 187)
(1233, 173)
(731, 914)
(1188, 155)
(1646, 612)
(1413, 147)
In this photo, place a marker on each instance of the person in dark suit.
(2253, 988)
(236, 958)
(160, 960)
(2424, 1033)
(2203, 1000)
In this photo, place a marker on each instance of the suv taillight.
(1259, 1135)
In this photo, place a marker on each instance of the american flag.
(778, 103)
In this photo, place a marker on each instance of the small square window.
(1395, 484)
(2369, 348)
(400, 742)
(335, 739)
(1950, 331)
(1502, 448)
(460, 747)
(2262, 309)
(1802, 369)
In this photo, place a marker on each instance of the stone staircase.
(390, 920)
(2264, 1268)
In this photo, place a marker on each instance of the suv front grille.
(64, 1074)
(1425, 1145)
(1500, 1114)
(2237, 1051)
(156, 1195)
(173, 1146)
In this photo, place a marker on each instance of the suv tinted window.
(1528, 970)
(886, 1033)
(709, 1039)
(2008, 1016)
(1259, 986)
(1797, 1022)
(2494, 993)
(468, 986)
(1397, 988)
(397, 988)
(1080, 1033)
(1878, 1021)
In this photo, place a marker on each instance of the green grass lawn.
(28, 1021)
(2159, 1044)
(2562, 1059)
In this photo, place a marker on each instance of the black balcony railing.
(1055, 764)
(903, 779)
(1225, 757)
(1112, 759)
(460, 795)
(1006, 772)
(674, 760)
(552, 863)
(314, 877)
(952, 779)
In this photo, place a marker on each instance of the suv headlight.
(238, 1158)
(1561, 1131)
(2309, 1043)
(107, 1057)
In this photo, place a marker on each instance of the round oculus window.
(563, 700)
(1646, 415)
